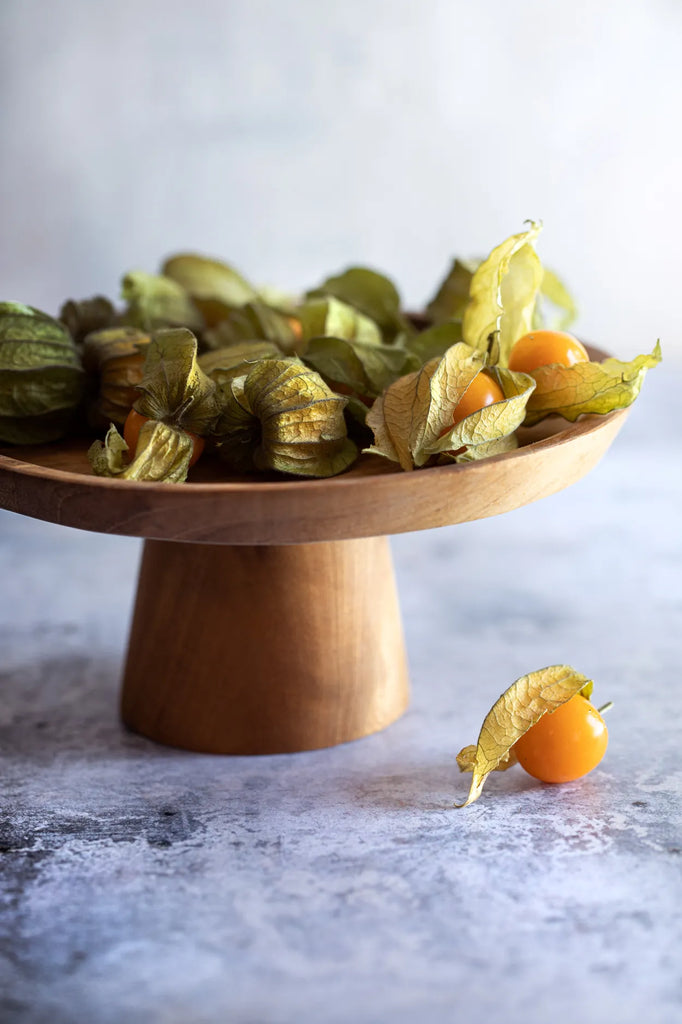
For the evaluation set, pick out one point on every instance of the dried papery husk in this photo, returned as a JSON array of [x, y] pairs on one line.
[[413, 420], [215, 287], [453, 294], [239, 432], [115, 359], [330, 318], [491, 430], [163, 455], [178, 400], [347, 349], [82, 317], [224, 364], [555, 308], [278, 298], [503, 294], [512, 715], [42, 382], [155, 302], [434, 342], [174, 389], [356, 367], [283, 417], [255, 322], [372, 294], [588, 387]]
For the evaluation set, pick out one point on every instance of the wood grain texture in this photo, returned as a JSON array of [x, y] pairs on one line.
[[261, 650]]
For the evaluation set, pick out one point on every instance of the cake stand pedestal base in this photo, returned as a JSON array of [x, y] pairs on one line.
[[267, 649]]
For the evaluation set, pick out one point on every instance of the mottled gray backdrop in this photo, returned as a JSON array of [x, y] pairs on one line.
[[296, 137]]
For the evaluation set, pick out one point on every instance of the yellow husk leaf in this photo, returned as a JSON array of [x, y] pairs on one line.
[[331, 318], [504, 291], [413, 420], [557, 294], [489, 431], [174, 388], [512, 715], [390, 419], [466, 759], [584, 388], [106, 457], [417, 408], [162, 455]]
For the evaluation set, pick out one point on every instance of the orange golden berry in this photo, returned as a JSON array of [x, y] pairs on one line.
[[565, 744], [482, 391], [541, 348]]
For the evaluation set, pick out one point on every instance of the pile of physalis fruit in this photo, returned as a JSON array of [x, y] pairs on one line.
[[198, 357]]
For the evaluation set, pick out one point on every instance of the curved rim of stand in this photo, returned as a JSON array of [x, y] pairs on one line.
[[363, 504], [375, 468], [373, 498]]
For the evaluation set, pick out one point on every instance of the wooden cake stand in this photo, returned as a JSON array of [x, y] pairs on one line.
[[266, 617]]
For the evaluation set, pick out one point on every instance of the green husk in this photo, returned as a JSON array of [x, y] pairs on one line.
[[434, 342], [452, 297], [331, 318], [32, 392], [371, 294], [155, 301], [364, 369], [278, 298], [174, 389], [254, 322], [41, 379], [215, 287], [82, 317], [283, 417]]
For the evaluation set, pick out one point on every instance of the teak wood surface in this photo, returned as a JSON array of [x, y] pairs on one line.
[[275, 625]]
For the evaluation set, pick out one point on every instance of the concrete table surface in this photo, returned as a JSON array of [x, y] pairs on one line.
[[143, 884]]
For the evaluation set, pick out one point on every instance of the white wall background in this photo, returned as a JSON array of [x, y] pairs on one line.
[[296, 137]]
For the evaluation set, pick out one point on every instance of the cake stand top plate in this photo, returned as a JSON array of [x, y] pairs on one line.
[[54, 483]]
